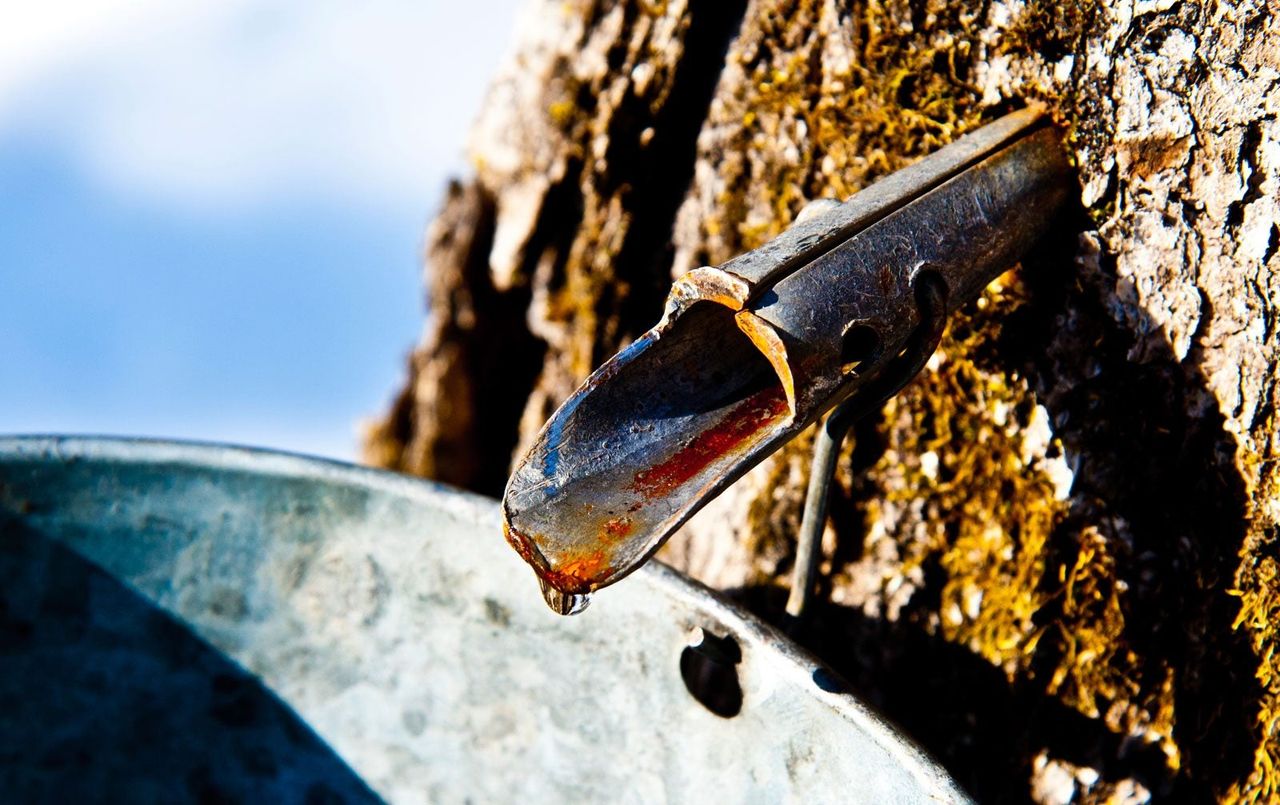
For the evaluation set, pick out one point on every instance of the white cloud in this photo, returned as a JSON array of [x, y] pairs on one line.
[[38, 37], [241, 102]]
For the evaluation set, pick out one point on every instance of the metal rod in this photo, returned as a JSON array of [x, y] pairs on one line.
[[826, 449]]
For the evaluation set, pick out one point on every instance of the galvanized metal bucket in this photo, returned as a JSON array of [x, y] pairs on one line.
[[180, 622]]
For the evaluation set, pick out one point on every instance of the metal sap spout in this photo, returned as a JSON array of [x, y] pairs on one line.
[[844, 306]]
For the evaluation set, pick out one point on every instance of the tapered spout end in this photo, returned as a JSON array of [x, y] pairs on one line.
[[649, 437]]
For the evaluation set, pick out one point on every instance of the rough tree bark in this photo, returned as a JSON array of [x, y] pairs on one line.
[[1053, 558]]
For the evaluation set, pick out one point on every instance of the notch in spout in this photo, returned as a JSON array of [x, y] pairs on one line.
[[749, 353]]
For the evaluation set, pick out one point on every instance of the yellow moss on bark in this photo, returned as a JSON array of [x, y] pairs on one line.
[[963, 487]]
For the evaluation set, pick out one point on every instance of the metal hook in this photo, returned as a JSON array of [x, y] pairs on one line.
[[931, 298]]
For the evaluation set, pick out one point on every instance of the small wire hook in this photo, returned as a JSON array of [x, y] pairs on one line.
[[931, 300]]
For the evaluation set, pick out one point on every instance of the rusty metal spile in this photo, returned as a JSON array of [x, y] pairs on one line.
[[749, 353]]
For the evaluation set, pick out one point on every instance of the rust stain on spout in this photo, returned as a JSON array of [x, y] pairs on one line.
[[750, 417], [576, 574], [617, 527]]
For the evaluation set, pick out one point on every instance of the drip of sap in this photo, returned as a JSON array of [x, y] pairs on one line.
[[563, 603]]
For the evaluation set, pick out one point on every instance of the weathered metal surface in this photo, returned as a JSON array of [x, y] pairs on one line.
[[750, 353], [387, 613]]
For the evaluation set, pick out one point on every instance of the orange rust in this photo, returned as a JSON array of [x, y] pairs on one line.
[[618, 527], [584, 567], [751, 416], [578, 574], [520, 542], [575, 575]]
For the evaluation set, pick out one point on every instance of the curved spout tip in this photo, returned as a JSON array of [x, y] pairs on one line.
[[646, 441], [570, 575]]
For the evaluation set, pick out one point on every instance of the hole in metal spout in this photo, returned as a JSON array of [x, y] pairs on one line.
[[860, 344], [930, 289]]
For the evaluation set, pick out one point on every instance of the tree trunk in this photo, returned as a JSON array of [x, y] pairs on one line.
[[1052, 558]]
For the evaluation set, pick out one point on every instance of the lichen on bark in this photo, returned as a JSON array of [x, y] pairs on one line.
[[1053, 557]]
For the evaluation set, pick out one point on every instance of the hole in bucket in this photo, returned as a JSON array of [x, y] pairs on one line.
[[710, 673], [828, 681]]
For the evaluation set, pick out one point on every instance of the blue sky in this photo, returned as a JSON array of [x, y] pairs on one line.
[[211, 214]]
